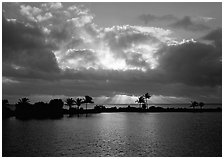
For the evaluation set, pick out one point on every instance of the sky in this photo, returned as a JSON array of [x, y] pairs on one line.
[[114, 52]]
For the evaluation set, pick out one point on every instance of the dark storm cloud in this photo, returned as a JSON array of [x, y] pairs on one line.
[[23, 73], [187, 24], [146, 18], [107, 83], [87, 81], [215, 36], [194, 64], [25, 47], [30, 39]]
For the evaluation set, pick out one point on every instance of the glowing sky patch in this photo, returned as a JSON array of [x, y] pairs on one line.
[[8, 80], [142, 40]]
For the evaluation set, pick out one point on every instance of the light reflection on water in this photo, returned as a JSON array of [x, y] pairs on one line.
[[116, 134]]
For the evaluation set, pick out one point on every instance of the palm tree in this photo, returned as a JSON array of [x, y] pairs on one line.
[[70, 102], [147, 96], [140, 100], [194, 104], [78, 102], [87, 100], [24, 101], [23, 108], [201, 104]]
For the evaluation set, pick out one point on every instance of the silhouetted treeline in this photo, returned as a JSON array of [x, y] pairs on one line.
[[54, 109], [25, 110], [100, 108], [197, 104], [78, 101]]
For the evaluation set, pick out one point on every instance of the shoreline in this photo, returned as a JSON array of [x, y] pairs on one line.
[[100, 109]]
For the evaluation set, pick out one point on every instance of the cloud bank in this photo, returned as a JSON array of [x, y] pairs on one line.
[[60, 51], [187, 24], [146, 18]]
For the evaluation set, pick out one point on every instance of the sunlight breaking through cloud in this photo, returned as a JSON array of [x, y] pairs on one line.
[[118, 48]]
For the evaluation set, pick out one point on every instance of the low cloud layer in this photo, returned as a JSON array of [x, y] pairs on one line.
[[146, 18], [188, 24], [59, 51]]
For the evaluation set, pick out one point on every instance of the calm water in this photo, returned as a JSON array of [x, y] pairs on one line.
[[116, 134]]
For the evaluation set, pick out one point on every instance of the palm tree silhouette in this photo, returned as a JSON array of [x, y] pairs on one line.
[[23, 108], [24, 101], [147, 96], [140, 100], [78, 102], [70, 102], [87, 100]]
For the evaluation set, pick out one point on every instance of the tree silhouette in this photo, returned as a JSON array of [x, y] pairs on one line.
[[147, 96], [137, 101], [70, 102], [194, 104], [56, 106], [141, 101], [78, 102], [41, 110], [87, 100], [201, 104], [23, 108], [24, 101]]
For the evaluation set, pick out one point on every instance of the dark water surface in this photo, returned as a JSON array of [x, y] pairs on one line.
[[116, 134]]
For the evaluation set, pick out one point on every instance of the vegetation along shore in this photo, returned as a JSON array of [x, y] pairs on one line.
[[55, 108]]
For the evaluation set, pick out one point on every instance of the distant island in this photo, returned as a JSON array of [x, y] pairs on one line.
[[54, 109]]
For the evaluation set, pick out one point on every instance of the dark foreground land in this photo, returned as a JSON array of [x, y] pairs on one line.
[[54, 110]]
